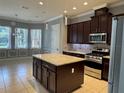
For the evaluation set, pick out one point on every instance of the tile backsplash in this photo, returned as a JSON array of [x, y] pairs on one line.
[[86, 48]]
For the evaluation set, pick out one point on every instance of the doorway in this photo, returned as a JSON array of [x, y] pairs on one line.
[[55, 38]]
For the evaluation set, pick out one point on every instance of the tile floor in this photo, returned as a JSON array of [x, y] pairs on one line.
[[16, 77]]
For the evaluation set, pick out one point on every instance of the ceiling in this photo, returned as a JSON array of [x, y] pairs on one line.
[[32, 11]]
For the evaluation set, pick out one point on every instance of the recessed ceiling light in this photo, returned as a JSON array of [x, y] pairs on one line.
[[74, 8], [65, 11], [85, 3], [41, 3]]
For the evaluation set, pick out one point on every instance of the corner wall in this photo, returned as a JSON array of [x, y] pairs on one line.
[[47, 34]]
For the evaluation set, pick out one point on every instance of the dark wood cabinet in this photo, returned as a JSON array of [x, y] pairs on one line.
[[94, 25], [51, 81], [105, 70], [53, 77], [44, 77], [39, 71], [35, 68], [86, 31], [72, 33], [69, 34], [101, 24], [48, 79], [80, 33]]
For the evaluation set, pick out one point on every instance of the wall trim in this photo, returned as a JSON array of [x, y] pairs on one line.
[[117, 4], [92, 10], [54, 18], [83, 14]]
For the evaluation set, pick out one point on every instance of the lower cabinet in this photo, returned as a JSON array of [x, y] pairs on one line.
[[39, 71], [44, 77], [51, 81], [105, 71], [48, 79], [35, 68], [59, 79]]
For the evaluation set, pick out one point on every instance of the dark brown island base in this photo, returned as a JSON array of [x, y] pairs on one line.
[[58, 73]]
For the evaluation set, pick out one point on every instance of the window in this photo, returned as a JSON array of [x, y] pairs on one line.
[[36, 38], [5, 37], [21, 38]]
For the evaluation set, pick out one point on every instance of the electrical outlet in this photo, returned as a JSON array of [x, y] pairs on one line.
[[72, 70]]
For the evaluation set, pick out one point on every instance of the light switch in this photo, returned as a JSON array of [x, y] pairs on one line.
[[72, 70]]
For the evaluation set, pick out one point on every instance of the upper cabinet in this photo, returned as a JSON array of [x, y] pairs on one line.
[[94, 24], [72, 33], [78, 33], [69, 34], [100, 24], [86, 32]]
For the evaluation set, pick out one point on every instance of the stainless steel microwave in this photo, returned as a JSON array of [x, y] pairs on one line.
[[98, 38]]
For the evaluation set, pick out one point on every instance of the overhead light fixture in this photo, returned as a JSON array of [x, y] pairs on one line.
[[74, 8], [85, 3], [65, 11], [41, 3]]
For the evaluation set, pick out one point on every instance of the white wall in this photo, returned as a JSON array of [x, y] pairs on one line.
[[47, 34]]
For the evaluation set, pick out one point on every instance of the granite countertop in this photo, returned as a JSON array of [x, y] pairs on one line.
[[77, 52], [58, 59], [108, 57]]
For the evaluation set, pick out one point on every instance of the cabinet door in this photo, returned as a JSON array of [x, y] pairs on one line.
[[105, 69], [86, 31], [94, 24], [44, 77], [109, 30], [39, 71], [35, 68], [69, 34], [74, 33], [51, 82], [80, 33], [103, 24]]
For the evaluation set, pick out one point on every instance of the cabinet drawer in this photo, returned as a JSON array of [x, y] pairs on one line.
[[49, 66]]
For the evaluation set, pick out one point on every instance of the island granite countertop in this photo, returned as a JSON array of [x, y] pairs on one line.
[[58, 59]]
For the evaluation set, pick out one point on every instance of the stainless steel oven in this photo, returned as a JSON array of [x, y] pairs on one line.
[[98, 38], [93, 66]]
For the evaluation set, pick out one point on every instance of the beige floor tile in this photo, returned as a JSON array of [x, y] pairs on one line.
[[15, 88], [16, 77], [2, 84], [2, 90]]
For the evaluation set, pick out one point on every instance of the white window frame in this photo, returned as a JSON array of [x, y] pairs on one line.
[[9, 39], [32, 38], [16, 44]]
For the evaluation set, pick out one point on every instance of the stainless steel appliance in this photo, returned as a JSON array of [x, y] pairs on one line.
[[98, 38], [116, 72], [93, 64]]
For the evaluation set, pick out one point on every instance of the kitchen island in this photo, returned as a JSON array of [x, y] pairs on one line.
[[58, 73]]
